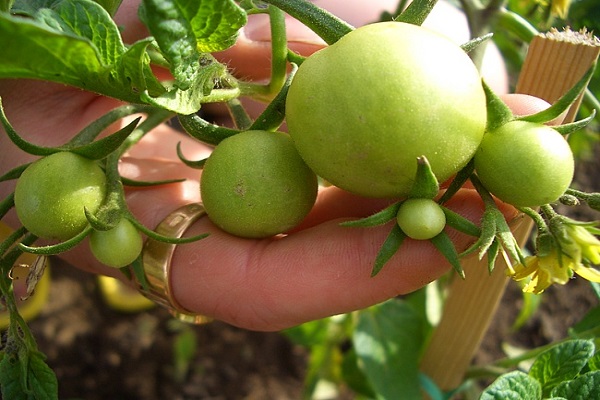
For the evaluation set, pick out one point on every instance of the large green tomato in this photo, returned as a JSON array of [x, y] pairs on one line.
[[255, 184], [525, 164], [362, 110], [52, 192]]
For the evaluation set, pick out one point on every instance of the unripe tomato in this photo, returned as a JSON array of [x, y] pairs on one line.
[[255, 184], [525, 164], [117, 247], [421, 219], [52, 192], [363, 109]]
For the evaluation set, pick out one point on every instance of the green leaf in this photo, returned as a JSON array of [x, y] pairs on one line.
[[590, 321], [390, 246], [562, 104], [76, 43], [25, 375], [111, 6], [584, 387], [199, 87], [379, 218], [185, 29], [514, 385], [460, 223], [310, 333], [388, 338], [594, 362], [561, 363], [103, 147], [445, 246], [566, 129], [354, 376]]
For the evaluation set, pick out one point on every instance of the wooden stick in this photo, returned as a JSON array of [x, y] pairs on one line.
[[555, 62]]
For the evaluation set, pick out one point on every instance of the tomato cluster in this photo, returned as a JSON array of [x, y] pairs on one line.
[[52, 197], [359, 113]]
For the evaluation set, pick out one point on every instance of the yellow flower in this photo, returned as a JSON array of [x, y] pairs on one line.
[[584, 246], [560, 8], [543, 271]]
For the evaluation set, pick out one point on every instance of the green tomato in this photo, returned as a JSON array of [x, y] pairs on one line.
[[525, 164], [363, 109], [421, 219], [117, 247], [255, 184], [52, 192]]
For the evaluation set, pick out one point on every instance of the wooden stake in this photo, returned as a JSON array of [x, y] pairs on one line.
[[555, 62]]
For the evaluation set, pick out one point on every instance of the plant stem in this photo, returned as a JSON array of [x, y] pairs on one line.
[[329, 27]]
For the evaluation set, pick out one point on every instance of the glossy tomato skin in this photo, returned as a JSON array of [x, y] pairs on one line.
[[363, 109], [421, 219], [117, 247], [255, 185], [525, 164], [52, 192]]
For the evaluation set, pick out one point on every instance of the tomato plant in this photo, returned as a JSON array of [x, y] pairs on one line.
[[255, 184], [525, 164], [117, 247], [52, 193], [363, 109], [421, 219]]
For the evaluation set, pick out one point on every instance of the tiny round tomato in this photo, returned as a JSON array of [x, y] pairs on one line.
[[363, 109], [255, 184], [52, 192], [421, 219], [525, 164], [117, 247]]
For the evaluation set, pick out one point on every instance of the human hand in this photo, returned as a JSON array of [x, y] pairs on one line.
[[318, 270]]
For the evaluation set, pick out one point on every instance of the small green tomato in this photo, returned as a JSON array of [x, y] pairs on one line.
[[117, 247], [52, 193], [421, 219]]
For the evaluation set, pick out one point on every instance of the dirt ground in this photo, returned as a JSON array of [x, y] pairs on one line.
[[99, 353]]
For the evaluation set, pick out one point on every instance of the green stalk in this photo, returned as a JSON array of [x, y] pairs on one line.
[[329, 27]]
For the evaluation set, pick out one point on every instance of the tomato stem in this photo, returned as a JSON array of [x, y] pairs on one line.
[[329, 27]]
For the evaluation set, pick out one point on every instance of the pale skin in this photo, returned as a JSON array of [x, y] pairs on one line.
[[320, 269]]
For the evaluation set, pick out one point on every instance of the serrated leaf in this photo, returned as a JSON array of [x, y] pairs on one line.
[[387, 339], [584, 387], [190, 100], [561, 363], [514, 385], [25, 375], [215, 23], [74, 52]]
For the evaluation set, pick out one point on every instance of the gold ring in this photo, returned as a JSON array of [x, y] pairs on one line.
[[156, 260]]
